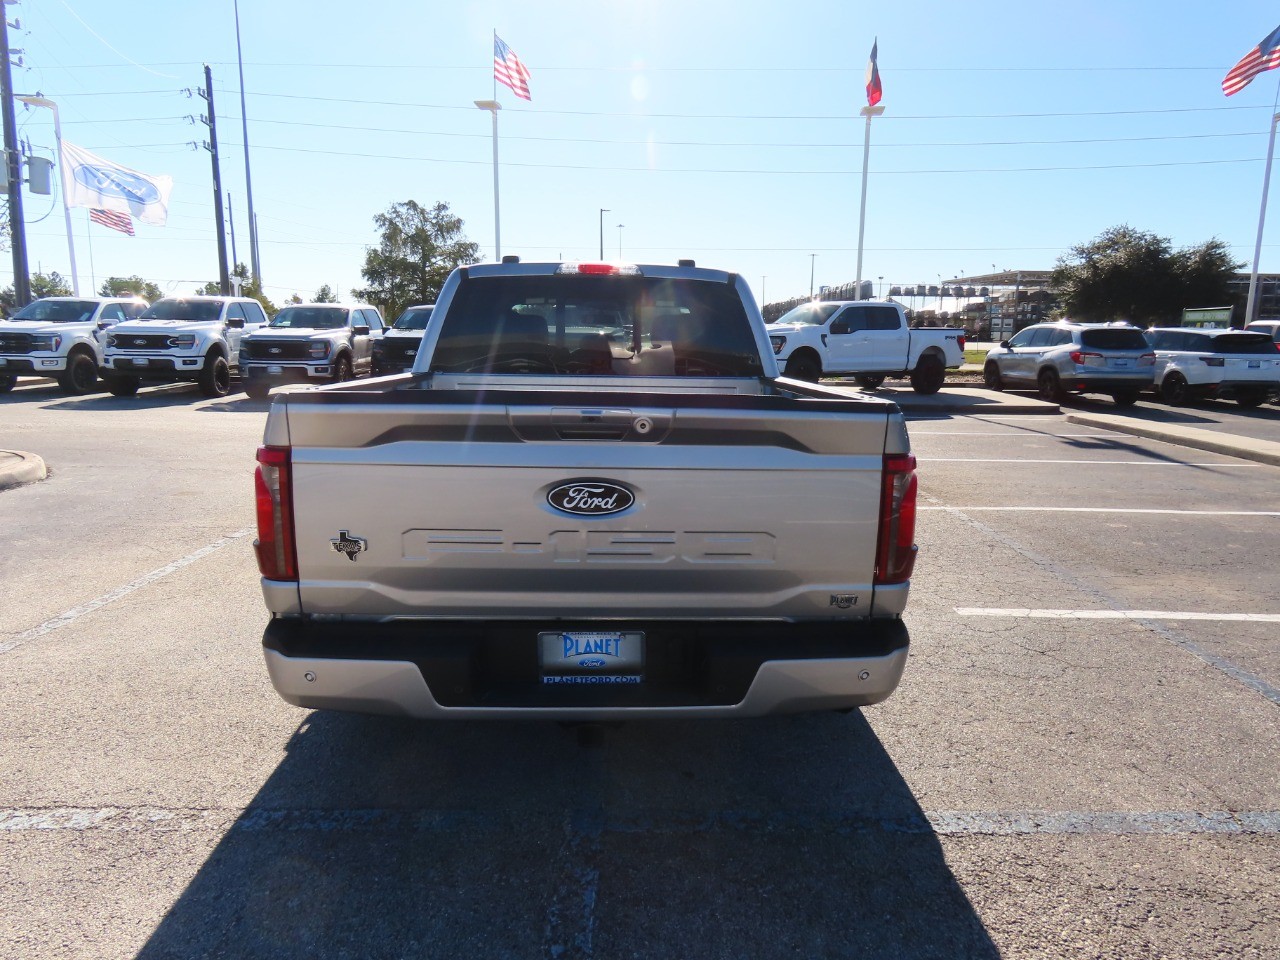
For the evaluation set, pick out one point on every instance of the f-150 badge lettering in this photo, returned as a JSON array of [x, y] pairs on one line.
[[589, 497], [345, 543]]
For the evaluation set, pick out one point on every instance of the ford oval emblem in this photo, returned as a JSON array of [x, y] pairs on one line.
[[590, 497]]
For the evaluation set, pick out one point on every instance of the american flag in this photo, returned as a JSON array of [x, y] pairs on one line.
[[1265, 56], [116, 221], [874, 90], [509, 70]]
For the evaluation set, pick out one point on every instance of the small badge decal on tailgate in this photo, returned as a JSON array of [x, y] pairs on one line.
[[590, 497], [345, 543]]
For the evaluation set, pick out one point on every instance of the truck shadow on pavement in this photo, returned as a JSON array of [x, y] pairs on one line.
[[386, 838]]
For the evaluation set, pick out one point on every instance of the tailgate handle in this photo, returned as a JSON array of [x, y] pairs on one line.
[[591, 423]]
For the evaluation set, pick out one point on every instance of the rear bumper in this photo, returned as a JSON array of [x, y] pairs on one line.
[[1107, 384], [463, 670]]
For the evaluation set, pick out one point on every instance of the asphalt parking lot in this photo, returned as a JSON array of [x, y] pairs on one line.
[[1080, 762]]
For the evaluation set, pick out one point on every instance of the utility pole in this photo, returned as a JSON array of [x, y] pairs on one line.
[[224, 279], [13, 173]]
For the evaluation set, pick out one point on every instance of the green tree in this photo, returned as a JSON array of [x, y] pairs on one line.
[[324, 295], [294, 298], [133, 286], [49, 284], [1128, 274], [419, 247], [42, 285], [249, 288]]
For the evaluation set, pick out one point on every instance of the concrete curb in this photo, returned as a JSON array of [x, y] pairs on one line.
[[1246, 448], [17, 468]]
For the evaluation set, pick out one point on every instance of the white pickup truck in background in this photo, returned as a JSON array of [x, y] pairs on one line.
[[592, 497], [865, 339]]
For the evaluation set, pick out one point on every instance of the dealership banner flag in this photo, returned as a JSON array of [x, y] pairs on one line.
[[102, 185]]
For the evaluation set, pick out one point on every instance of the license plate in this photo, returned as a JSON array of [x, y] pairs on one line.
[[140, 361], [275, 369], [4, 361], [1119, 363], [591, 656], [1255, 364]]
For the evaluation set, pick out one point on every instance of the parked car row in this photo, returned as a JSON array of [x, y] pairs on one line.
[[1179, 364], [202, 339]]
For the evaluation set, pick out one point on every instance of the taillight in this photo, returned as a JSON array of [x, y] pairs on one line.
[[896, 548], [273, 487], [1147, 360], [961, 339], [1214, 361], [1080, 356]]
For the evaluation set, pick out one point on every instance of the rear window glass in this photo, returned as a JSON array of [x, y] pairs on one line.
[[1250, 343], [1113, 338], [603, 325]]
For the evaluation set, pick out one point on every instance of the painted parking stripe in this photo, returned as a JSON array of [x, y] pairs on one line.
[[1194, 513], [1116, 614], [157, 820], [74, 614], [1106, 599]]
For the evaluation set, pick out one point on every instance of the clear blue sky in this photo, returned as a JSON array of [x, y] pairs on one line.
[[726, 132]]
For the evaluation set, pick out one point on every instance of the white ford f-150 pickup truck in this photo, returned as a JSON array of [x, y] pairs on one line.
[[591, 498], [865, 339], [61, 337]]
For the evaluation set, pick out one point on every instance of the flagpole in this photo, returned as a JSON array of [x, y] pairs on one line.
[[867, 112], [1262, 214], [88, 236]]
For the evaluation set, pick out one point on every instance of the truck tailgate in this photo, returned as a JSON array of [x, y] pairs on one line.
[[439, 506]]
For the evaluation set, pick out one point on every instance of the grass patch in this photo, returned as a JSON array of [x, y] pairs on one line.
[[975, 356]]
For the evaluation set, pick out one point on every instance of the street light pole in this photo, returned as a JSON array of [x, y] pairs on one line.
[[620, 226], [603, 211], [812, 258], [493, 106], [39, 101]]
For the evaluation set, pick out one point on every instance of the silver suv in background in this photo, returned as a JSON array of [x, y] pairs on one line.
[[1066, 357], [310, 343], [61, 337], [1239, 365]]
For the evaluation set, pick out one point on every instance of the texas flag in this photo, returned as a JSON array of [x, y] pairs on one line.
[[874, 90]]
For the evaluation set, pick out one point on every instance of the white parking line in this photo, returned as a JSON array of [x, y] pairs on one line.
[[1014, 435], [64, 619], [1195, 513], [1105, 597], [1115, 614]]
